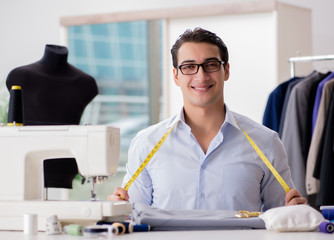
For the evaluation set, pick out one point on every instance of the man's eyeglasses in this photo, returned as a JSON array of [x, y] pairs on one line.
[[192, 68]]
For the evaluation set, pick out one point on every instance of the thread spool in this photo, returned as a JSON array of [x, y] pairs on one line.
[[30, 224], [15, 109], [74, 230], [128, 225], [141, 228], [53, 225], [121, 229], [95, 231], [326, 227], [113, 230]]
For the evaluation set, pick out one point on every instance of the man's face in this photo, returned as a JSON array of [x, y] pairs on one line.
[[202, 89]]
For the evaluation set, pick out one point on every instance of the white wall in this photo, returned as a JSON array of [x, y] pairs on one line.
[[26, 26], [252, 59]]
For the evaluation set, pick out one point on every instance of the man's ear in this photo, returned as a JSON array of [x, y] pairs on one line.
[[227, 71], [176, 77]]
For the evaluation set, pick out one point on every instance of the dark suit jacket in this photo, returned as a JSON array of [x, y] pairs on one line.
[[273, 110], [324, 168]]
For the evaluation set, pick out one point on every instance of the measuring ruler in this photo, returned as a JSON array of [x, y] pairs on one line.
[[147, 159]]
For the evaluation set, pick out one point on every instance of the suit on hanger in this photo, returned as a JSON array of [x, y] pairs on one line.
[[286, 100], [318, 98], [325, 165], [312, 184], [295, 132], [273, 110]]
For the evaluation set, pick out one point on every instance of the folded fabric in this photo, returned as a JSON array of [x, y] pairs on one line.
[[292, 218], [164, 220]]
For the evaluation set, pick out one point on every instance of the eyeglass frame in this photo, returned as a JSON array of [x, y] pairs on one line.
[[200, 65]]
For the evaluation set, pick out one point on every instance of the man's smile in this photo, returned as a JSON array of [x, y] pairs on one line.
[[202, 88]]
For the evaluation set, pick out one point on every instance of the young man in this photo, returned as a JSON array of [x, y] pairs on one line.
[[206, 162]]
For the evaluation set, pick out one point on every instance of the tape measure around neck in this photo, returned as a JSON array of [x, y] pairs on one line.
[[256, 148], [147, 159], [266, 161]]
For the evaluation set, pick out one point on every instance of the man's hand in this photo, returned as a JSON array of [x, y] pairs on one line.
[[118, 194], [293, 197]]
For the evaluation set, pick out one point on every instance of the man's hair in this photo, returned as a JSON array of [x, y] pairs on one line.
[[199, 35]]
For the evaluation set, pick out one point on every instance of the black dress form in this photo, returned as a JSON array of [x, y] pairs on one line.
[[54, 91]]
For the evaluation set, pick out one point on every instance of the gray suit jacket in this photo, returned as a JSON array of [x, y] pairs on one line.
[[295, 128]]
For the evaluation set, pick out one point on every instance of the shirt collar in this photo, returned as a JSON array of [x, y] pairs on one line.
[[178, 118], [229, 118]]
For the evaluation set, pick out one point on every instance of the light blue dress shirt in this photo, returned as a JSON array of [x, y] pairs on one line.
[[230, 176]]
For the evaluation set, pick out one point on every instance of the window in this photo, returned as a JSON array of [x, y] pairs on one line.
[[118, 57]]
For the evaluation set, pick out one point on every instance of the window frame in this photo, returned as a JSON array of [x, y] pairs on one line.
[[164, 15]]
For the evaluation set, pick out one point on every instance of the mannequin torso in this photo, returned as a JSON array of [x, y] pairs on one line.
[[54, 91]]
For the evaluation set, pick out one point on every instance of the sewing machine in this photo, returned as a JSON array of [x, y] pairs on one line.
[[23, 150]]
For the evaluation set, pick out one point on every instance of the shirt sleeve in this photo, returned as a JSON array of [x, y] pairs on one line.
[[272, 193], [141, 189]]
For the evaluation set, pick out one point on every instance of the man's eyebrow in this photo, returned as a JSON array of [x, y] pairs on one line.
[[206, 60], [211, 59], [187, 61]]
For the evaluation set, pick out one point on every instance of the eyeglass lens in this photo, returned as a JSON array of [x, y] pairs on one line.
[[212, 66]]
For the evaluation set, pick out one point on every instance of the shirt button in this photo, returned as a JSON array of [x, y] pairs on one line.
[[202, 195], [203, 167]]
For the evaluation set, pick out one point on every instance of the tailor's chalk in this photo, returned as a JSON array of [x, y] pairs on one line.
[[74, 230], [141, 228], [128, 225], [326, 227]]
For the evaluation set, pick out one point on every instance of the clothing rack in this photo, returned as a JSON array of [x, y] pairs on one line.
[[293, 60]]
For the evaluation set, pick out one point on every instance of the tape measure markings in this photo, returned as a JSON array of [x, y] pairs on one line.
[[256, 148], [147, 159], [266, 161]]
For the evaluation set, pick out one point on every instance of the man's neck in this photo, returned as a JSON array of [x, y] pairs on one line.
[[205, 117], [205, 123]]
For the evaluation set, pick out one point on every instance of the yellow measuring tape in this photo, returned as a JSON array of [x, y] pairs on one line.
[[157, 146], [266, 161], [147, 159]]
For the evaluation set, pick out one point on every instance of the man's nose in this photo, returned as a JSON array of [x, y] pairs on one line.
[[201, 73]]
